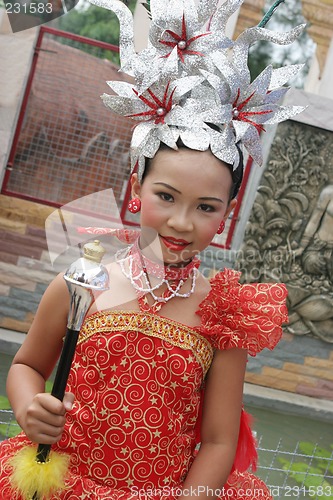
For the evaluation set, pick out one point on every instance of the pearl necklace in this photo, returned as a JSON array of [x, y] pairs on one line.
[[136, 268]]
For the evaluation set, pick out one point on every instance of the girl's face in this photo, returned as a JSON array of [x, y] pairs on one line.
[[184, 197]]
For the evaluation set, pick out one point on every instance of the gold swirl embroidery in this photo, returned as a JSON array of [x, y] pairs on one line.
[[154, 326]]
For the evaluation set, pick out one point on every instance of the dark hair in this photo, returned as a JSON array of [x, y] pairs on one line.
[[236, 174]]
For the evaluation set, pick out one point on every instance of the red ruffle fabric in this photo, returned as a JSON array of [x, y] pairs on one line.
[[248, 316]]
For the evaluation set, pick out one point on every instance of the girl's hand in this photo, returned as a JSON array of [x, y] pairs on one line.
[[45, 418]]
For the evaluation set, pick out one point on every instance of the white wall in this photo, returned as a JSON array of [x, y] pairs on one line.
[[16, 51]]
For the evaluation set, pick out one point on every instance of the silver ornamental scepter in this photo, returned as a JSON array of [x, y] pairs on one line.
[[84, 278]]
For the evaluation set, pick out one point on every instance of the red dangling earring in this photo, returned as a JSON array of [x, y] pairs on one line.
[[221, 228], [134, 205]]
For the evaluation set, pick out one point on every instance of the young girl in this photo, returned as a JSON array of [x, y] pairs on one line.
[[153, 407], [130, 418]]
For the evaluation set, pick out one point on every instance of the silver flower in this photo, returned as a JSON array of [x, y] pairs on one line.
[[192, 82], [183, 31], [243, 106], [163, 112]]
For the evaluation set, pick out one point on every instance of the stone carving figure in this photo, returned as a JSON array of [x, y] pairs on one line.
[[289, 234], [316, 246], [316, 255]]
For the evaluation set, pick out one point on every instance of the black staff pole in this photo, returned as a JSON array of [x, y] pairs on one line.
[[84, 278]]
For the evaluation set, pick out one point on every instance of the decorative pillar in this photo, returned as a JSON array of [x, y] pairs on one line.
[[250, 14], [319, 15]]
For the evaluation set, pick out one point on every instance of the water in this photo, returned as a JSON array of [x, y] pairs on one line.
[[287, 444], [5, 362], [273, 426]]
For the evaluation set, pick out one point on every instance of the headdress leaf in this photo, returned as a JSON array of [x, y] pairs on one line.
[[193, 82]]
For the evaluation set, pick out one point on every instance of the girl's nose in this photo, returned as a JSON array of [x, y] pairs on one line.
[[181, 222]]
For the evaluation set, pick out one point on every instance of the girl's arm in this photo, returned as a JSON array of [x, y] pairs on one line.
[[220, 425], [40, 415]]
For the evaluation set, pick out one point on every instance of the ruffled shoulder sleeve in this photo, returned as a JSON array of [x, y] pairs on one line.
[[248, 316]]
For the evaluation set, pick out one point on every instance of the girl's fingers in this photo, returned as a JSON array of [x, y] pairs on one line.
[[68, 400]]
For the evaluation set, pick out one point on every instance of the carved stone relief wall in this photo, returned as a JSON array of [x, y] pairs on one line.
[[289, 235]]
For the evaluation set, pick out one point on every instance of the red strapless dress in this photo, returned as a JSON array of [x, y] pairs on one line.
[[138, 382]]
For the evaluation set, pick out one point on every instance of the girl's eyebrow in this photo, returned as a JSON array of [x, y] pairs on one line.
[[211, 198], [208, 198], [168, 186]]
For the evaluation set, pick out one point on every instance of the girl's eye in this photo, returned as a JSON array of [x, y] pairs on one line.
[[165, 196], [206, 208]]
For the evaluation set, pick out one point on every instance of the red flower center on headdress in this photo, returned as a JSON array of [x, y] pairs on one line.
[[159, 108], [240, 115], [182, 42]]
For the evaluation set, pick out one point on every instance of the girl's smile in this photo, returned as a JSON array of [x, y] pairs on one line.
[[173, 243]]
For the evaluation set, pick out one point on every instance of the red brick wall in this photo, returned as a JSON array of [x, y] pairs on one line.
[[25, 269]]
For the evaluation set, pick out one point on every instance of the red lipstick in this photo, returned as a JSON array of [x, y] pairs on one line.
[[174, 244]]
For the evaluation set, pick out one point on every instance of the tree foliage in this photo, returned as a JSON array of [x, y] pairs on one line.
[[96, 23], [287, 16]]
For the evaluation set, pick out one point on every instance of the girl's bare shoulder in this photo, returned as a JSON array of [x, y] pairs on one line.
[[43, 343]]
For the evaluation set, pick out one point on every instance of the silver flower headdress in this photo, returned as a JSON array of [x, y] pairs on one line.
[[193, 83]]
